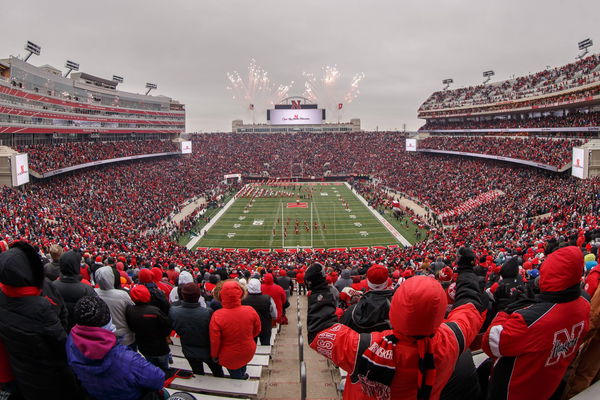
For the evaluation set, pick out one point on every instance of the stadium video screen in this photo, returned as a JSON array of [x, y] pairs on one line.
[[296, 116]]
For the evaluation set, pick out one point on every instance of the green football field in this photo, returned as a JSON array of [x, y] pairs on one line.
[[327, 215]]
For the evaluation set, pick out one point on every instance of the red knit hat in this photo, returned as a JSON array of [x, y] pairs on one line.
[[99, 259], [140, 294], [445, 274], [145, 276], [377, 277]]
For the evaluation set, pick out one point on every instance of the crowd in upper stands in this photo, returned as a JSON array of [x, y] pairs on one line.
[[117, 212], [49, 157], [553, 80], [591, 119], [554, 152]]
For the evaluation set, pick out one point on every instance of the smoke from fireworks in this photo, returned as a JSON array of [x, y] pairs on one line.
[[331, 89], [257, 91]]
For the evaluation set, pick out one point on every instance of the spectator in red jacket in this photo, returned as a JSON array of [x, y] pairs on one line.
[[415, 358], [300, 281], [233, 329], [532, 346], [592, 281], [277, 294], [157, 275]]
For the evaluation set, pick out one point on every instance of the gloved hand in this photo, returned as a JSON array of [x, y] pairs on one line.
[[466, 259], [315, 277]]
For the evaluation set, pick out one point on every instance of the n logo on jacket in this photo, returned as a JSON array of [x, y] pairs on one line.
[[565, 343]]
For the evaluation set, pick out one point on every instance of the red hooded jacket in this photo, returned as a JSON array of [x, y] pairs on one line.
[[233, 329], [592, 280], [533, 346], [276, 292]]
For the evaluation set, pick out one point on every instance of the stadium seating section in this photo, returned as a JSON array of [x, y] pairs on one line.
[[549, 81]]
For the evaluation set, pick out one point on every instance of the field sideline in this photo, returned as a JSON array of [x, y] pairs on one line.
[[339, 219]]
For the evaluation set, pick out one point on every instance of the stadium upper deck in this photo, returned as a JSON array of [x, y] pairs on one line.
[[571, 85], [38, 100]]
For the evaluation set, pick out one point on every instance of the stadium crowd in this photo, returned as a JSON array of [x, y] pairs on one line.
[[48, 157], [112, 216], [572, 75], [554, 152], [579, 119]]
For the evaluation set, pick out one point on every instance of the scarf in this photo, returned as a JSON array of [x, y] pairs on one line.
[[375, 368]]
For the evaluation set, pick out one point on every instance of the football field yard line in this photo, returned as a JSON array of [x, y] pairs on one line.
[[275, 222], [319, 222]]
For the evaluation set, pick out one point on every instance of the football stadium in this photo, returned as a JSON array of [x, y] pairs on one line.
[[273, 234]]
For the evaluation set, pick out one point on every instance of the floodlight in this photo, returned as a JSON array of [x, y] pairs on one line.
[[71, 66], [32, 48], [150, 86], [584, 45], [447, 82], [488, 76]]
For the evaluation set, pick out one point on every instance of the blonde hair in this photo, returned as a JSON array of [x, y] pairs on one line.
[[55, 252], [217, 290]]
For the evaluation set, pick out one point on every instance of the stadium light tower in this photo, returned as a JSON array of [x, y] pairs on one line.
[[117, 78], [71, 66], [584, 45], [447, 82], [150, 86], [488, 76], [32, 48]]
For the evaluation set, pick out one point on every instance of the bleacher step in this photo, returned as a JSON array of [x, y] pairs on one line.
[[254, 371], [212, 385], [201, 396]]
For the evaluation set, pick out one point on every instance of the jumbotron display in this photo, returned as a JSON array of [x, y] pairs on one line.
[[296, 117]]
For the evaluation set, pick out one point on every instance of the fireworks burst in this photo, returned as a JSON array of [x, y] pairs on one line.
[[257, 91], [330, 89]]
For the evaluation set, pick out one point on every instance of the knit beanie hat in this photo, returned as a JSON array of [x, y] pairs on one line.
[[377, 277], [145, 276], [190, 293], [91, 311], [140, 294], [446, 274], [510, 269], [254, 286]]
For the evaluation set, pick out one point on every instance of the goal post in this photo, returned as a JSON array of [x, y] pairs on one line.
[[311, 230]]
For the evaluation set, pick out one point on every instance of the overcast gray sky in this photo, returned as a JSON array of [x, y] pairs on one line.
[[404, 48]]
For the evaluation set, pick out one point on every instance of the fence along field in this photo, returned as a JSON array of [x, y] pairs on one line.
[[324, 215]]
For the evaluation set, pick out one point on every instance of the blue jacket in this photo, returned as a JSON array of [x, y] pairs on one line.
[[108, 370]]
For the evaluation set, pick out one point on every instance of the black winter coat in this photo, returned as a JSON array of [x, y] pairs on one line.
[[32, 333], [262, 305], [151, 328], [69, 285], [191, 323], [286, 283]]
